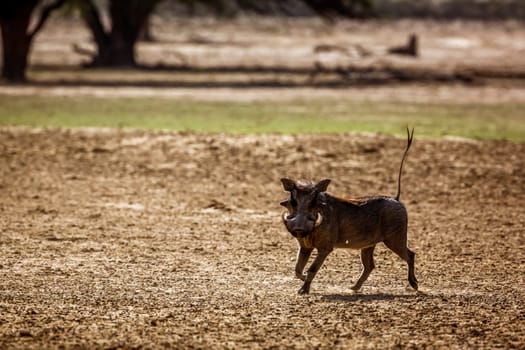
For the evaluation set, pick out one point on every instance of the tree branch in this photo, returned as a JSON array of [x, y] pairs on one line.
[[46, 11], [91, 15]]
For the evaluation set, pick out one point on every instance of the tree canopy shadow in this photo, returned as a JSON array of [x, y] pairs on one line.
[[253, 76]]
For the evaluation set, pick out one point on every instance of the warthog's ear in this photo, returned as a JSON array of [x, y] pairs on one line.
[[288, 184], [322, 185]]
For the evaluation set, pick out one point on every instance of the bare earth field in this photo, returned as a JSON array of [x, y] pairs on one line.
[[127, 239]]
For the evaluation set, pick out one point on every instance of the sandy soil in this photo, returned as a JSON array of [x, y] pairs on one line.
[[128, 239]]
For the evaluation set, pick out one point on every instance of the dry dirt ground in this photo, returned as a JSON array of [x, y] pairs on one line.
[[127, 239]]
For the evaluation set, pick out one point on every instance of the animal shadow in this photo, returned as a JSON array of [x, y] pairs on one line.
[[371, 297]]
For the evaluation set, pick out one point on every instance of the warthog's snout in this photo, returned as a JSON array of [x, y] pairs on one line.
[[321, 221], [301, 225]]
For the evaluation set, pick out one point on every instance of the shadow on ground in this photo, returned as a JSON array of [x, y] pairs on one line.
[[373, 297]]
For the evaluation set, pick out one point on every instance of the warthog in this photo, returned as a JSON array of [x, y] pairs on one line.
[[322, 221]]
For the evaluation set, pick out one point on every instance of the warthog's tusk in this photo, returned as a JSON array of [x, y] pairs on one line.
[[284, 217], [319, 220]]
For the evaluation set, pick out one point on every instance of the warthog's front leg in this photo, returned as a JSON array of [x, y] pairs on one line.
[[302, 259], [312, 270]]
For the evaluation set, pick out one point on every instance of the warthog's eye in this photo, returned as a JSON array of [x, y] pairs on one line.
[[293, 202], [313, 202]]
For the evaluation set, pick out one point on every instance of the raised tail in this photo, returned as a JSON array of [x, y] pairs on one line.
[[410, 136]]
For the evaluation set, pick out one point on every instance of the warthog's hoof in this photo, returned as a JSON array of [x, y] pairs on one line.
[[304, 290], [355, 288], [414, 285]]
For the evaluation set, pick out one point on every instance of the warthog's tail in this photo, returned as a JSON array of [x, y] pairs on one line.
[[410, 136]]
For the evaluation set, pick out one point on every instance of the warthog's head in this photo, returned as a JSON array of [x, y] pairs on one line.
[[304, 206]]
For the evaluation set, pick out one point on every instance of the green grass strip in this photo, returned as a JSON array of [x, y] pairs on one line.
[[482, 121]]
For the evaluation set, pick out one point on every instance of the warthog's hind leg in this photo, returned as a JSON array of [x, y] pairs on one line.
[[400, 248], [367, 259], [411, 275]]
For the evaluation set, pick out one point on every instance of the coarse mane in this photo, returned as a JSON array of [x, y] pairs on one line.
[[358, 201]]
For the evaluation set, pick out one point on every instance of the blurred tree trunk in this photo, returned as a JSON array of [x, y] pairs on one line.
[[15, 18], [14, 22], [116, 45]]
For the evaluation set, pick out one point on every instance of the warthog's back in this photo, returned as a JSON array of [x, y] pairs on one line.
[[366, 221]]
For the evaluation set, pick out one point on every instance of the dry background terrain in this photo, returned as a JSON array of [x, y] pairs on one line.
[[272, 59], [149, 239], [120, 238]]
